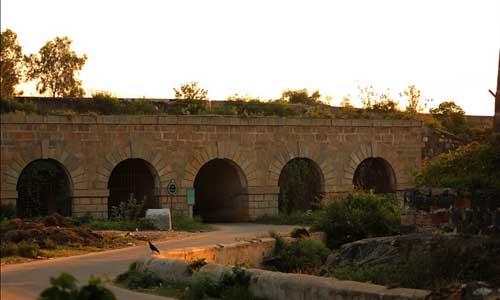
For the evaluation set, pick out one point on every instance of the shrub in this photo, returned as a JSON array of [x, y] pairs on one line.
[[7, 211], [28, 249], [8, 249], [299, 256], [12, 105], [470, 167], [359, 216], [135, 278], [64, 287], [130, 210]]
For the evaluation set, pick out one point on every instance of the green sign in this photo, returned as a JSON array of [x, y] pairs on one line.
[[172, 187], [190, 196]]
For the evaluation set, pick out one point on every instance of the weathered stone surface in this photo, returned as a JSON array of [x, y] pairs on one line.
[[161, 218], [178, 146]]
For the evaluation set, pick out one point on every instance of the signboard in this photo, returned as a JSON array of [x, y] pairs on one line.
[[172, 187], [190, 196]]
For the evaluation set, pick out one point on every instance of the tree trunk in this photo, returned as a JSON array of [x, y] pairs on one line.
[[496, 119]]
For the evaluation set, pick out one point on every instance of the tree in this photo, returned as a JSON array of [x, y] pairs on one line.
[[55, 68], [191, 91], [415, 104], [452, 117], [11, 63], [301, 96]]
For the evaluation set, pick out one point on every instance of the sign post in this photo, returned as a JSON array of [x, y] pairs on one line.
[[190, 198]]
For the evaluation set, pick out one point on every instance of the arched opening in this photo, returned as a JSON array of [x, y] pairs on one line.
[[133, 179], [301, 185], [221, 192], [375, 174], [44, 187]]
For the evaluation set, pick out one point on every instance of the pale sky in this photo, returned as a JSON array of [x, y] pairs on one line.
[[448, 49]]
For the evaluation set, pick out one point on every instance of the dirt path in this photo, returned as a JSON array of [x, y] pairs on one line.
[[26, 281]]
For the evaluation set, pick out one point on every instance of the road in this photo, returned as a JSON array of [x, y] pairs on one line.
[[26, 281]]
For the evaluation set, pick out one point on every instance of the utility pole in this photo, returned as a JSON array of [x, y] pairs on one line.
[[496, 118]]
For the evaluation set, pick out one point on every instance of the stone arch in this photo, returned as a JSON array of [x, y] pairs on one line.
[[134, 177], [49, 149], [135, 150], [294, 194], [368, 151], [319, 156], [220, 150], [376, 174], [221, 191], [49, 182]]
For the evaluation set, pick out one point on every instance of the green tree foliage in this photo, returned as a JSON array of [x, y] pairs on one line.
[[65, 287], [301, 96], [471, 167], [451, 117], [300, 255], [55, 68], [360, 215], [11, 63], [191, 91]]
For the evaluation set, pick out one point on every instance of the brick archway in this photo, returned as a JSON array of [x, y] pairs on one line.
[[371, 150], [228, 151]]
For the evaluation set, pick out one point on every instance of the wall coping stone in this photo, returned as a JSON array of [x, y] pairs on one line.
[[204, 120]]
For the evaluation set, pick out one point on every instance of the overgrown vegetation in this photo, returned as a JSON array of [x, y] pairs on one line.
[[65, 287], [50, 236], [301, 255], [294, 218], [473, 167], [448, 260], [232, 285], [300, 185], [360, 215]]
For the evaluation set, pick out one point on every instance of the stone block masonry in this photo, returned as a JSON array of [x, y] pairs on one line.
[[177, 147]]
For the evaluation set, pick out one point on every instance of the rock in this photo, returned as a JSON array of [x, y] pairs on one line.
[[161, 218], [379, 250]]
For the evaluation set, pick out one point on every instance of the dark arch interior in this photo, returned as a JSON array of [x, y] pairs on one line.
[[301, 185], [220, 192], [375, 174], [132, 178], [43, 188]]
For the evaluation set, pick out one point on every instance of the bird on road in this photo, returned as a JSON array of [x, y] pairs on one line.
[[153, 248]]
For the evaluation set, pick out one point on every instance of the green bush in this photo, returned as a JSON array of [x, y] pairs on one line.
[[360, 215], [471, 167], [12, 106], [299, 256], [64, 287], [135, 278], [8, 249], [28, 249], [129, 210], [232, 285]]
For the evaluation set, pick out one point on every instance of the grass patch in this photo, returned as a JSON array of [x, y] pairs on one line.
[[304, 218], [124, 225], [185, 223]]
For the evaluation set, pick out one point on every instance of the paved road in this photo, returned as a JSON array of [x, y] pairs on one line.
[[26, 281]]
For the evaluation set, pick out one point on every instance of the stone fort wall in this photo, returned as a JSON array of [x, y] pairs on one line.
[[178, 146]]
